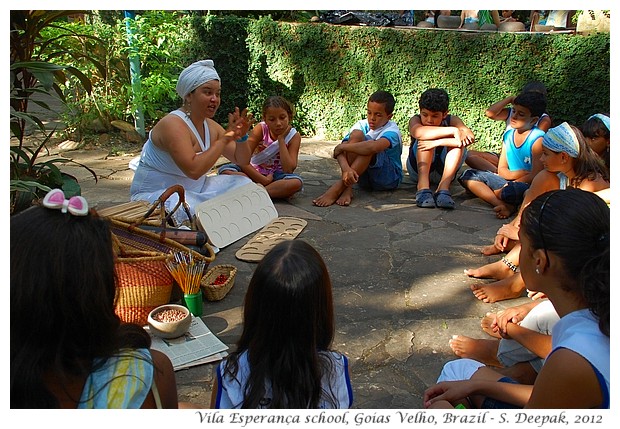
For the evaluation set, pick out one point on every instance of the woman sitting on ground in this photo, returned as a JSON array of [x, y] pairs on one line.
[[184, 145]]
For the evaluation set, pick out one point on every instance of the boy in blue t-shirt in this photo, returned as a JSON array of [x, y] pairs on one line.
[[437, 151], [519, 160], [369, 154]]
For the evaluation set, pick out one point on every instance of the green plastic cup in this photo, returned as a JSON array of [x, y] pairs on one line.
[[193, 301]]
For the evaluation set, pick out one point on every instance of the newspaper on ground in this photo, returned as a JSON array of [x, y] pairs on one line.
[[197, 346]]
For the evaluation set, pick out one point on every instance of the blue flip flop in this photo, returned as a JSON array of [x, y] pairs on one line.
[[424, 198], [444, 200]]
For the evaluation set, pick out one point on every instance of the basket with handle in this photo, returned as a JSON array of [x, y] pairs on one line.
[[215, 292], [131, 236], [143, 281]]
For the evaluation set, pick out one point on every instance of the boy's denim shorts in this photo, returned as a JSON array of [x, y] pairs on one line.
[[381, 175], [437, 164], [492, 180], [277, 175], [512, 192], [490, 403]]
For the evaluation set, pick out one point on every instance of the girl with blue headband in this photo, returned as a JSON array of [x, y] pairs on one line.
[[568, 162]]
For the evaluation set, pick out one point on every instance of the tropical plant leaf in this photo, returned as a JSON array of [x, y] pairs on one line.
[[85, 81], [70, 186], [28, 186]]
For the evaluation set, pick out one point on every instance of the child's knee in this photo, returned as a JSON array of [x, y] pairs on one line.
[[466, 176], [357, 136]]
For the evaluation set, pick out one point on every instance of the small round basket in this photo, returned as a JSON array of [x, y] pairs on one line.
[[215, 292]]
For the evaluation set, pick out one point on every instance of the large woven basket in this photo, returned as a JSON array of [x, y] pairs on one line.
[[142, 283], [215, 292]]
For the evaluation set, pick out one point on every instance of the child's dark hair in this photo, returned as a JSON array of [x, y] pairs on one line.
[[535, 86], [534, 101], [384, 97], [594, 127], [435, 100], [288, 320], [574, 225], [62, 302], [589, 165], [279, 102]]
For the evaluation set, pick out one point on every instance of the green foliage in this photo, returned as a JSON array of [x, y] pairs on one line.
[[160, 40], [223, 39], [329, 71], [276, 15], [35, 69]]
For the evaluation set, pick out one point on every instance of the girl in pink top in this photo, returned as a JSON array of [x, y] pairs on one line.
[[275, 145]]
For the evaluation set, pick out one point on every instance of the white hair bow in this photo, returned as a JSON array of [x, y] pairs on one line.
[[55, 199]]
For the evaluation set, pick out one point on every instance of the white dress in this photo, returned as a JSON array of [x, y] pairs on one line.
[[156, 171]]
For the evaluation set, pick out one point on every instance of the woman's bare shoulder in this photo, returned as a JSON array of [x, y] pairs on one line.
[[169, 120], [594, 185], [168, 126], [545, 180]]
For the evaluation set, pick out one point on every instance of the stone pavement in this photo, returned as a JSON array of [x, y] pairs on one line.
[[397, 273]]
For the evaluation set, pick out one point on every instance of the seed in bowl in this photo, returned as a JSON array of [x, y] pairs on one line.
[[169, 315]]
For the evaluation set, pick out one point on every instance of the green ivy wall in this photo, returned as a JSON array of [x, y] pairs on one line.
[[329, 71]]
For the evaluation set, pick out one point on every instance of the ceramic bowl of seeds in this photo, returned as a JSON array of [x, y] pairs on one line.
[[169, 321]]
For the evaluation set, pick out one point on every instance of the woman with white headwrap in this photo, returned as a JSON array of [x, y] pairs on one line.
[[183, 147]]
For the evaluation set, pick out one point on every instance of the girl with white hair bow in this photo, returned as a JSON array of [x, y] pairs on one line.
[[183, 147]]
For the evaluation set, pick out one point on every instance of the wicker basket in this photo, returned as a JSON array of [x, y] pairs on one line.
[[142, 281], [216, 292]]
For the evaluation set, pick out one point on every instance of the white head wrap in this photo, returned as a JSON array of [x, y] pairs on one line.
[[195, 75], [562, 139]]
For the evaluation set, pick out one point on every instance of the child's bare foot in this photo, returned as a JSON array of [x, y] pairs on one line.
[[330, 196], [508, 288], [490, 250], [486, 323], [503, 211], [495, 270], [345, 197], [484, 351]]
